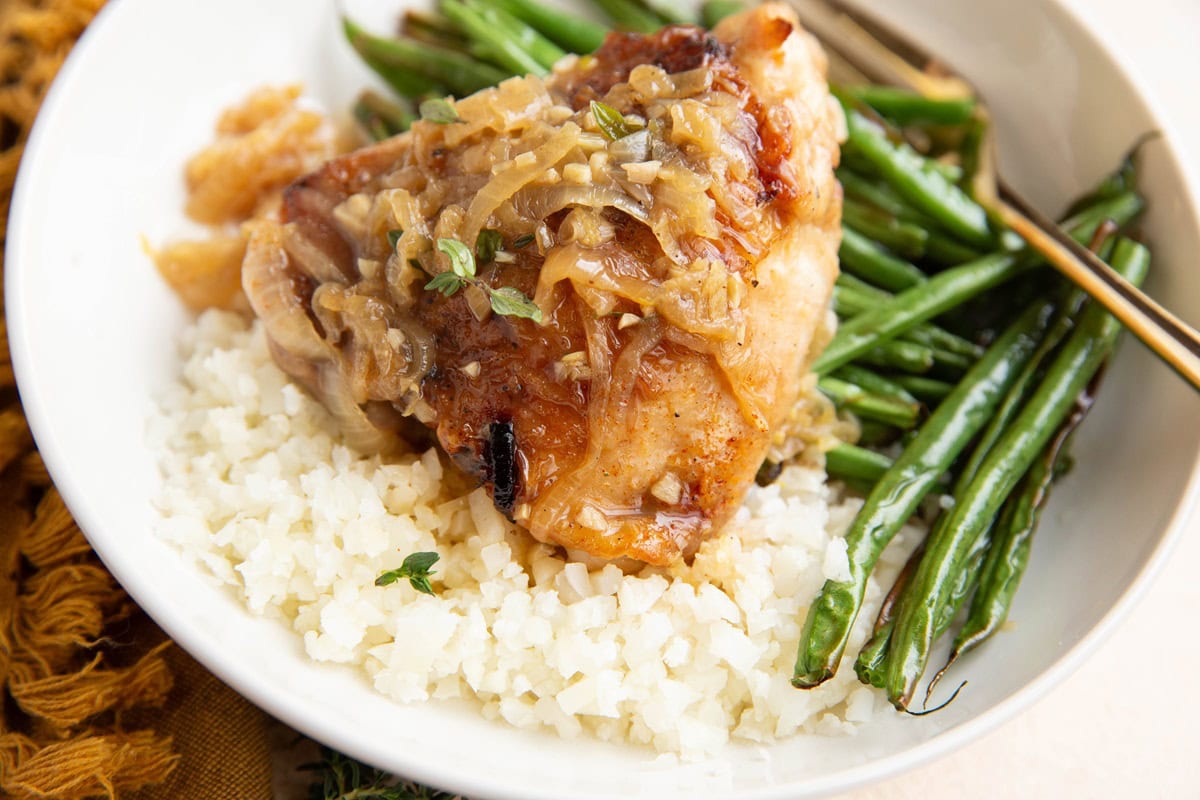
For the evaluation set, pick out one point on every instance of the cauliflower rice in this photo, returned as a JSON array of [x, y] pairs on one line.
[[260, 490]]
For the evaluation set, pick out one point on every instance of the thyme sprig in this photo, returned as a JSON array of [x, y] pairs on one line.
[[505, 301], [438, 111], [340, 777], [612, 123], [416, 568]]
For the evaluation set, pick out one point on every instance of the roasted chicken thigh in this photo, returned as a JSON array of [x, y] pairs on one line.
[[669, 206]]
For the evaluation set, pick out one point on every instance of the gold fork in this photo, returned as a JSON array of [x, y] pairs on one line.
[[882, 55]]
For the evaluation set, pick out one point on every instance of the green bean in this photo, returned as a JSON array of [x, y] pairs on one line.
[[380, 117], [869, 293], [870, 664], [904, 107], [849, 303], [878, 194], [964, 583], [948, 252], [436, 30], [874, 382], [853, 296], [1015, 400], [1003, 468], [528, 38], [713, 11], [876, 434], [628, 15], [871, 658], [674, 12], [402, 79], [414, 69], [569, 31], [929, 390], [376, 129], [908, 357], [870, 406], [852, 461], [900, 491], [982, 555], [920, 181], [1007, 559], [526, 52], [1121, 209], [975, 155], [947, 348], [914, 306], [942, 339], [905, 238], [951, 361], [1063, 324], [1111, 186], [871, 262]]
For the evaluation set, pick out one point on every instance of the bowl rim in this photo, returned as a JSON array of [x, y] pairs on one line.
[[257, 688]]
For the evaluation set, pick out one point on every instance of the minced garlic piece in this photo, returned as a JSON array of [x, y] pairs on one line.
[[578, 173], [369, 268], [573, 367], [395, 338], [591, 518], [642, 171], [628, 321], [668, 489]]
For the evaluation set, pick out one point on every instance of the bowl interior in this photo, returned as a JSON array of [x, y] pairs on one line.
[[93, 334]]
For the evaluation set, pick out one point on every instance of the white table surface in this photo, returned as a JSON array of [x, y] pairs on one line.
[[1127, 724]]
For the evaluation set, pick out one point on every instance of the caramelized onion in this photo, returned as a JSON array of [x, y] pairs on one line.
[[537, 203], [523, 169], [270, 285]]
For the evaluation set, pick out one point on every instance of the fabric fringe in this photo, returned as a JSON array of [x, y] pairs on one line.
[[64, 683], [54, 537], [90, 765], [60, 611], [68, 700]]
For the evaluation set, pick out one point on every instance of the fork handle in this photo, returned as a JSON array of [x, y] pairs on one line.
[[1160, 330]]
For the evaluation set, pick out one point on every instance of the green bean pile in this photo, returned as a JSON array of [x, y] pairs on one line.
[[997, 422], [956, 343]]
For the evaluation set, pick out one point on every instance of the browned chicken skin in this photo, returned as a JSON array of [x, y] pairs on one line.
[[681, 273]]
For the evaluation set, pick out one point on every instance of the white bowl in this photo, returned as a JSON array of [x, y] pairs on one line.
[[93, 332]]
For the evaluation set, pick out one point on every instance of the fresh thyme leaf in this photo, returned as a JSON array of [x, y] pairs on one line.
[[523, 241], [510, 302], [487, 243], [394, 236], [612, 122], [445, 282], [415, 567], [462, 262], [420, 562], [439, 112], [339, 777]]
